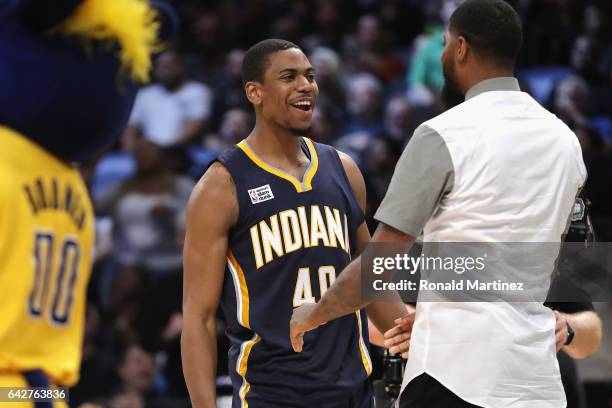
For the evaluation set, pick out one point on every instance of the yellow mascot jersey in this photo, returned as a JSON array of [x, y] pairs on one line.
[[46, 244]]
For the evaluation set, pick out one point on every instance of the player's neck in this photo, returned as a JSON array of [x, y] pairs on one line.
[[479, 74], [276, 148]]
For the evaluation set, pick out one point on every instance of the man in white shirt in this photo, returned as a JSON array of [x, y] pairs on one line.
[[173, 110], [496, 168]]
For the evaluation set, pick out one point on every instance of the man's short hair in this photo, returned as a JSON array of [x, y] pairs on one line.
[[491, 27], [257, 58]]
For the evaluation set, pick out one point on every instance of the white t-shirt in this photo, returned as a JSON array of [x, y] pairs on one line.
[[161, 114]]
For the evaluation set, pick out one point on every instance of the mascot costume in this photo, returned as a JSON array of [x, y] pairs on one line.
[[69, 72]]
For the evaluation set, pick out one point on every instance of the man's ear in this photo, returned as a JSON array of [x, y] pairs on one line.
[[463, 48], [254, 92]]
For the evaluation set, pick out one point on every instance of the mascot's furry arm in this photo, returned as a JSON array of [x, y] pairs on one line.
[[71, 68]]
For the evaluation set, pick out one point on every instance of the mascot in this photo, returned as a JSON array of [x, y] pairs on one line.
[[69, 72]]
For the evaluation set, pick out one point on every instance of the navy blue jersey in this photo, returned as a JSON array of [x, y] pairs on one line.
[[291, 240]]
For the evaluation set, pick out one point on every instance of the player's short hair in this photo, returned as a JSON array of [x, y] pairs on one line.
[[491, 27], [257, 58]]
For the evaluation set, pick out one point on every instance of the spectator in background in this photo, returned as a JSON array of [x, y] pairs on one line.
[[206, 34], [136, 373], [595, 23], [425, 79], [159, 326], [146, 211], [379, 160], [586, 93], [171, 112], [329, 26], [327, 65], [235, 126], [228, 91], [399, 123], [370, 50], [586, 59], [324, 123], [97, 363], [588, 62], [364, 103], [570, 101]]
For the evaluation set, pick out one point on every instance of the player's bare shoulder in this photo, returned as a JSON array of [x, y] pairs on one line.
[[214, 194], [354, 176]]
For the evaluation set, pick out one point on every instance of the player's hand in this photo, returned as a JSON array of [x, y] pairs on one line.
[[560, 330], [397, 339], [300, 324]]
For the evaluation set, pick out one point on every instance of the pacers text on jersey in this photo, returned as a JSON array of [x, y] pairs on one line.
[[49, 194]]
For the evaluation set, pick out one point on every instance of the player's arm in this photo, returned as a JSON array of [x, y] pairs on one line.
[[344, 296], [381, 314], [376, 336], [211, 212]]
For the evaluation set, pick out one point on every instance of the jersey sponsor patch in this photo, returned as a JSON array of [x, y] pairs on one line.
[[260, 194]]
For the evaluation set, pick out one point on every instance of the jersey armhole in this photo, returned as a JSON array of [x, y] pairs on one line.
[[361, 212]]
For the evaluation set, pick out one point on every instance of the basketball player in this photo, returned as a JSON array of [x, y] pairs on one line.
[[269, 226]]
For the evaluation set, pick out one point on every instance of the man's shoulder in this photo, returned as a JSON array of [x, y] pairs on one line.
[[458, 114], [216, 183]]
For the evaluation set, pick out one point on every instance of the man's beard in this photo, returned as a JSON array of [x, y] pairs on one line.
[[301, 132], [451, 95]]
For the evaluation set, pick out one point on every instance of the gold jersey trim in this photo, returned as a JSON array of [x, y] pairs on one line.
[[241, 368], [300, 186], [242, 291], [365, 355]]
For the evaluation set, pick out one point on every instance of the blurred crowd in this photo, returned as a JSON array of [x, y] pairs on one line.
[[379, 74]]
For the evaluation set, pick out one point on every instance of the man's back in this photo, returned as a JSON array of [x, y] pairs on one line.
[[516, 171]]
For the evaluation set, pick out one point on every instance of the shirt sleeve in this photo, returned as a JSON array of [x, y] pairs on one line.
[[423, 175]]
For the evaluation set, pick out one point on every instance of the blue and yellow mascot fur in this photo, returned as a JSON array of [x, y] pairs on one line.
[[69, 72], [69, 69]]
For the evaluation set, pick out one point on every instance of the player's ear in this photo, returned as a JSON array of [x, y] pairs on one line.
[[254, 92], [462, 48]]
